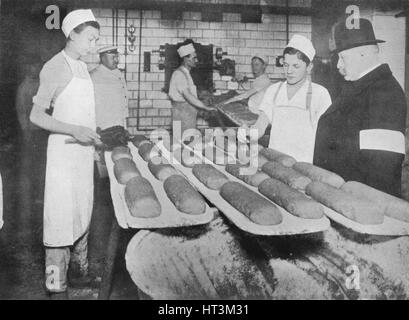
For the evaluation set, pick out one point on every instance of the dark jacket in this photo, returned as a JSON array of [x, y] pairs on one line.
[[376, 101]]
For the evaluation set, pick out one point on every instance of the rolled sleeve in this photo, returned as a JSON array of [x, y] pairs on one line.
[[261, 83], [178, 84], [47, 88]]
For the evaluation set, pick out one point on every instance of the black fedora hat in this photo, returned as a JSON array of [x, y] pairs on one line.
[[347, 38]]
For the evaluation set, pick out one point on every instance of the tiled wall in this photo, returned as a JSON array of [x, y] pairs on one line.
[[240, 40], [393, 31]]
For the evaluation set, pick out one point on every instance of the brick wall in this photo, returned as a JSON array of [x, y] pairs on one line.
[[240, 40]]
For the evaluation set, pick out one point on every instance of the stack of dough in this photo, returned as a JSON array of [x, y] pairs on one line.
[[358, 209], [141, 198], [294, 201], [209, 176], [251, 204], [183, 195], [392, 206], [318, 174], [287, 175], [274, 155]]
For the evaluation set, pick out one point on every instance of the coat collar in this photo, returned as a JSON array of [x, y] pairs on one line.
[[381, 72], [354, 88]]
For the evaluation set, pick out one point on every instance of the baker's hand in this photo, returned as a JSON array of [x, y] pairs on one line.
[[239, 77], [211, 109], [86, 135]]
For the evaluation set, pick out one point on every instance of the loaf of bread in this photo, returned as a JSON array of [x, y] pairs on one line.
[[162, 171], [234, 170], [230, 147], [393, 207], [145, 151], [287, 175], [189, 159], [345, 203], [209, 176], [120, 152], [262, 160], [274, 155], [141, 198], [139, 139], [294, 201], [318, 174], [124, 170], [251, 204], [251, 179], [255, 179], [183, 195], [218, 156]]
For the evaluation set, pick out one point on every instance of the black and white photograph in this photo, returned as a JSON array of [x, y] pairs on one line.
[[204, 150]]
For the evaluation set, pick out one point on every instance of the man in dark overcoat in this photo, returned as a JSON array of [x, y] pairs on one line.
[[361, 136]]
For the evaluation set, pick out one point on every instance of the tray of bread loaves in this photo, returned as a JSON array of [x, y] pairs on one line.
[[362, 208], [147, 196], [303, 193], [243, 204], [354, 205]]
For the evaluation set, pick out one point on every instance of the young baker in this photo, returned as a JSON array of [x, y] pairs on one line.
[[293, 107], [66, 85]]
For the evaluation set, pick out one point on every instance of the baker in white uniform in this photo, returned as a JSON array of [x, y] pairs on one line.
[[111, 93], [183, 92], [66, 85], [293, 107], [258, 86]]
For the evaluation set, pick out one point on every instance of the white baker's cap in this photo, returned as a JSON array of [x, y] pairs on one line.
[[302, 44], [186, 50], [262, 57], [75, 18], [108, 49]]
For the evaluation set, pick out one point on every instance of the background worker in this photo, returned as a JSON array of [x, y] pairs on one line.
[[111, 93], [182, 90], [259, 85]]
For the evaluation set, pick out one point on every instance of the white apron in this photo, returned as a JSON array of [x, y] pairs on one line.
[[69, 187], [292, 130], [184, 111]]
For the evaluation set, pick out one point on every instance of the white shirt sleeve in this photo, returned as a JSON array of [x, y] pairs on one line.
[[178, 84], [267, 103], [322, 101]]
